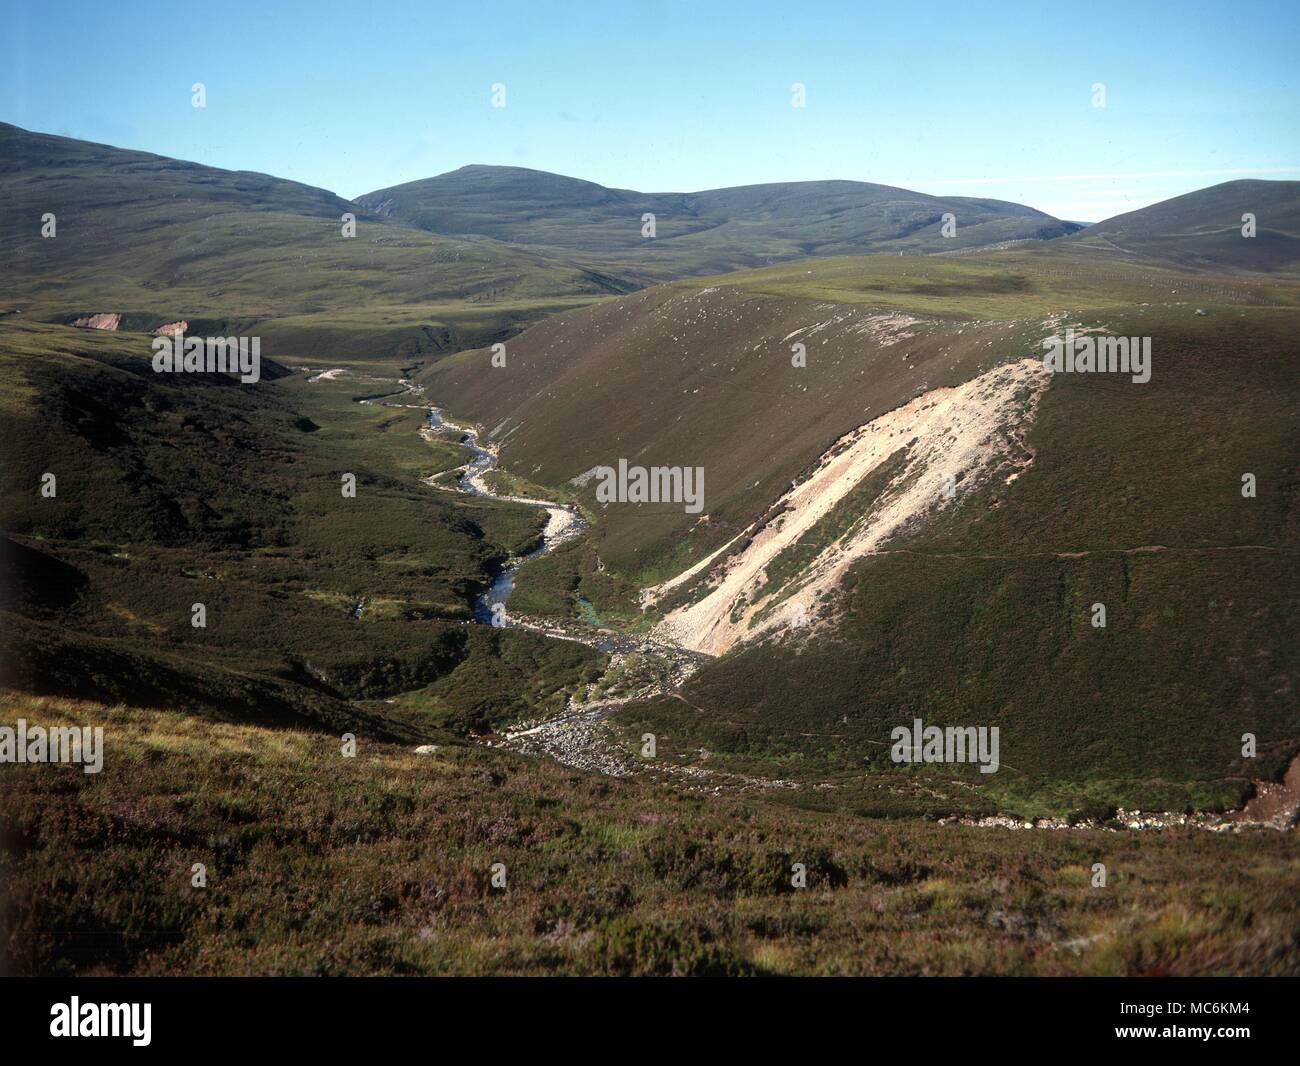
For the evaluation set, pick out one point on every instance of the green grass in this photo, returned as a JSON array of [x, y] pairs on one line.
[[1009, 285], [1203, 229], [159, 240], [223, 741]]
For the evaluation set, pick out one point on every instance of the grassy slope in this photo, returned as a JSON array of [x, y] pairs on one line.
[[700, 373], [176, 489], [698, 233], [986, 622], [319, 864], [981, 617], [1202, 229]]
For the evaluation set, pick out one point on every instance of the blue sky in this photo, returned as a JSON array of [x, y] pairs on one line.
[[960, 98]]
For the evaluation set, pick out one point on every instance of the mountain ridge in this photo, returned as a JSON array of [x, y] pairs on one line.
[[701, 232]]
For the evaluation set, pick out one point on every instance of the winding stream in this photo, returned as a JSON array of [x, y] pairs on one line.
[[563, 523]]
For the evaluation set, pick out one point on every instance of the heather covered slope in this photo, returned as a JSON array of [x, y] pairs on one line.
[[975, 609], [832, 404], [381, 864], [702, 232], [159, 240], [700, 373]]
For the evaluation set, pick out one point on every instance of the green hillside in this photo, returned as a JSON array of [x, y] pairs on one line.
[[176, 489], [822, 397], [159, 240], [700, 372]]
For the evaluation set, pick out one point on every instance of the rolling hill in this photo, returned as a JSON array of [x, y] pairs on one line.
[[904, 516], [826, 473], [176, 489], [158, 240], [1204, 229], [703, 232]]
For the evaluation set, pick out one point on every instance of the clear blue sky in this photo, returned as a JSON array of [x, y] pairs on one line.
[[961, 98]]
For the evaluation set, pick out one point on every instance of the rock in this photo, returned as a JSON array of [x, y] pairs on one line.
[[103, 320], [427, 749]]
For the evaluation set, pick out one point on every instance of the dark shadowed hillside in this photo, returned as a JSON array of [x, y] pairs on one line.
[[177, 489]]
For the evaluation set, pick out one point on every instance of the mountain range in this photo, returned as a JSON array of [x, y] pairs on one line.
[[704, 232]]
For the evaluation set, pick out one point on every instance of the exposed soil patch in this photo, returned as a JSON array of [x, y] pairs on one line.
[[1275, 804], [949, 436], [103, 320]]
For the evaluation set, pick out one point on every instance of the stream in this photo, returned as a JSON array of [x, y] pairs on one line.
[[637, 667], [563, 522]]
